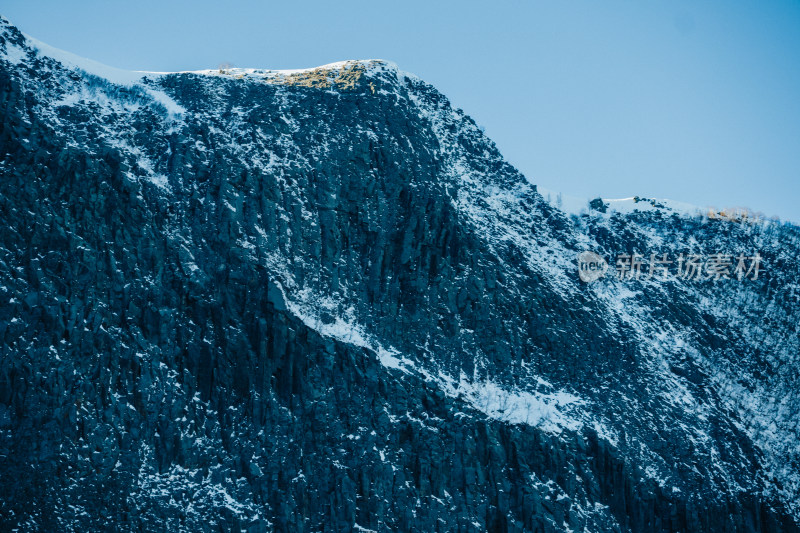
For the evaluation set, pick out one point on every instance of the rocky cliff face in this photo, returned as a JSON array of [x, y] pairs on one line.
[[322, 301]]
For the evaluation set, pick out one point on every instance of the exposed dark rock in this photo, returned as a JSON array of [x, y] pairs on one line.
[[240, 301]]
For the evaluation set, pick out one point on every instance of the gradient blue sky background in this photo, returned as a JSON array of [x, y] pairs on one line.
[[695, 101]]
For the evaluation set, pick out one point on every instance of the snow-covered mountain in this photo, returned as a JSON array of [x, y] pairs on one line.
[[320, 300]]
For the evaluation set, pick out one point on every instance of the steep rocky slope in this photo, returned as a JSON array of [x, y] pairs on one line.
[[321, 300]]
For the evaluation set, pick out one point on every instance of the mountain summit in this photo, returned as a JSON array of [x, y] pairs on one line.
[[320, 300]]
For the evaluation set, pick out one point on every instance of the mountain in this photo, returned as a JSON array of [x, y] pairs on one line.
[[320, 300]]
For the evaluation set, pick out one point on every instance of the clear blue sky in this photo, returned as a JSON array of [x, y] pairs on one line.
[[695, 101]]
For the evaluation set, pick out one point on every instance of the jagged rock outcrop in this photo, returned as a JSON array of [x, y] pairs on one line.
[[322, 301]]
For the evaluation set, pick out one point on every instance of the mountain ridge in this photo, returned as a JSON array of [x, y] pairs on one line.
[[248, 265]]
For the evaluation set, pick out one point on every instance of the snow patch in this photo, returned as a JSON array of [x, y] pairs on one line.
[[551, 412]]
